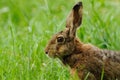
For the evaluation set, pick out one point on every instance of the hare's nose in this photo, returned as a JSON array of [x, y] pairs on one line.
[[46, 52]]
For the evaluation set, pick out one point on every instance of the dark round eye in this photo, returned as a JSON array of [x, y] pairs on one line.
[[60, 39]]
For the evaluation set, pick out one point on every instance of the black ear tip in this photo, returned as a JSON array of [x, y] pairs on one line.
[[78, 5]]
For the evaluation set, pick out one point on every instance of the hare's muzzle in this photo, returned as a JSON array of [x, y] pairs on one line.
[[46, 51]]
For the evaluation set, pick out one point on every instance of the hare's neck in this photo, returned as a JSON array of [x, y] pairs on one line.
[[79, 54], [74, 57]]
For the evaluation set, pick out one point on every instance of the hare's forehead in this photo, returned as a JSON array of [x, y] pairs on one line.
[[61, 33], [54, 37]]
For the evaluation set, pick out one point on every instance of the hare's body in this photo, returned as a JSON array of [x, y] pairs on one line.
[[85, 59], [88, 59]]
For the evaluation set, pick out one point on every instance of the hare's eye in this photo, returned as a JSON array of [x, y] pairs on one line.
[[60, 39]]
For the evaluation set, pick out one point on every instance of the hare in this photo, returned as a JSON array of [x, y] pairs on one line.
[[85, 59]]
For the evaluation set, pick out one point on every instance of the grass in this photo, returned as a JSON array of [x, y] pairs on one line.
[[27, 25]]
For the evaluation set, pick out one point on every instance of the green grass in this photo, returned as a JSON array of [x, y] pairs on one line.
[[27, 25]]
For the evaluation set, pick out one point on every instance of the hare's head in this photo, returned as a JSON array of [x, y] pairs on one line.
[[62, 43]]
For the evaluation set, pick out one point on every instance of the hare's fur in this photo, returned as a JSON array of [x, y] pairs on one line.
[[83, 58]]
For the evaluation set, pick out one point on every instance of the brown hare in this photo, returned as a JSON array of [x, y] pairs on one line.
[[83, 58]]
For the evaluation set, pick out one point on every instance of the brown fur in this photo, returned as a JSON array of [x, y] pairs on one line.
[[83, 58], [87, 58]]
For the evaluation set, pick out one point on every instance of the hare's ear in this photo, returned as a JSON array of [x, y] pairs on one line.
[[74, 19]]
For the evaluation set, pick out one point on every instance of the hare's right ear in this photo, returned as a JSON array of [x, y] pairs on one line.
[[74, 19]]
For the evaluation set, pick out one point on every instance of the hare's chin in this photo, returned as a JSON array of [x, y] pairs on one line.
[[53, 56]]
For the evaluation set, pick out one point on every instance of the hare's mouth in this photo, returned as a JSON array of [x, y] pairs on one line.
[[53, 55], [56, 55]]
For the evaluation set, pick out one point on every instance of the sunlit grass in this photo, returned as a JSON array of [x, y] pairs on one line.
[[26, 26]]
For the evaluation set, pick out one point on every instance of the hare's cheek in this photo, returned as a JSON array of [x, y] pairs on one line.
[[51, 53], [62, 50]]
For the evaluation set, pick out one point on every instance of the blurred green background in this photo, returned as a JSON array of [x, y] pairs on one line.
[[27, 25]]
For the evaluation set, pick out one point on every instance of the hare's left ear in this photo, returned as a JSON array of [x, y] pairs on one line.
[[74, 19]]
